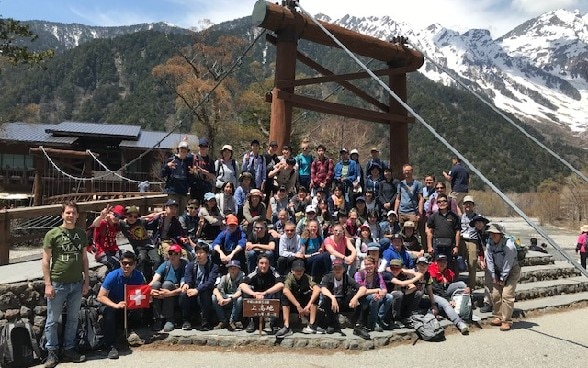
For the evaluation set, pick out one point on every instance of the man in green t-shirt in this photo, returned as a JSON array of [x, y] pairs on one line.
[[65, 272]]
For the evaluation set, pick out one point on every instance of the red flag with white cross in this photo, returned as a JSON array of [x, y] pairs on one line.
[[137, 296]]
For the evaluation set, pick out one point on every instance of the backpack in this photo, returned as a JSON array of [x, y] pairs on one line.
[[18, 345], [89, 334], [521, 249], [220, 171], [427, 327], [463, 304]]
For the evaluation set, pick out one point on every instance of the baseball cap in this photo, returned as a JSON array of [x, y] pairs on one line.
[[227, 147], [392, 212], [203, 142], [234, 263], [133, 209], [408, 224], [468, 198], [255, 141], [171, 202], [310, 208], [255, 192], [298, 265], [422, 260], [232, 220], [338, 262], [183, 144], [395, 263], [373, 246], [273, 144], [343, 149], [175, 248], [119, 210], [441, 257], [208, 196], [354, 151]]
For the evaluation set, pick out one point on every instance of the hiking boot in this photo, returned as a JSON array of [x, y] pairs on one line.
[[284, 332], [331, 330], [113, 353], [232, 326], [361, 332], [505, 326], [496, 322], [70, 355], [169, 326], [157, 325], [250, 326], [385, 325], [221, 325], [463, 328], [377, 328], [135, 340], [52, 359], [486, 308], [186, 326], [205, 327]]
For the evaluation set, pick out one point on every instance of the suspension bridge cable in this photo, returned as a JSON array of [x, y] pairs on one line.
[[238, 62], [455, 77], [116, 173], [66, 174], [507, 200]]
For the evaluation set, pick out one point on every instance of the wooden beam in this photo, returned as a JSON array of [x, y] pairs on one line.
[[349, 76], [275, 18], [340, 109], [61, 152]]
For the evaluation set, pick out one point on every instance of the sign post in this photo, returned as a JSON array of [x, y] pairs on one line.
[[262, 308]]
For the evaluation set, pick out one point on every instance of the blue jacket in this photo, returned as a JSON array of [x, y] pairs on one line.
[[207, 282], [178, 180], [352, 172], [403, 255], [229, 241]]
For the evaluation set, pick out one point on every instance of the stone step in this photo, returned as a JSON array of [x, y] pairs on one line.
[[534, 258], [553, 271], [548, 288]]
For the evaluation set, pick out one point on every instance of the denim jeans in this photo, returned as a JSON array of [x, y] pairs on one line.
[[72, 294], [236, 308], [164, 308], [378, 309]]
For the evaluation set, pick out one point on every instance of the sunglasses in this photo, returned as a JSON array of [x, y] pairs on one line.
[[290, 230], [258, 228], [173, 253], [439, 187], [442, 201], [127, 263], [116, 215]]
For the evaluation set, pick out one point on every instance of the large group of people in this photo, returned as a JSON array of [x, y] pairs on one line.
[[323, 236]]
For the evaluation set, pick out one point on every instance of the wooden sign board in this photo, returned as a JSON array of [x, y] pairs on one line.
[[261, 307]]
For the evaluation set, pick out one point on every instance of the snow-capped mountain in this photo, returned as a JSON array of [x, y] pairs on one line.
[[538, 71]]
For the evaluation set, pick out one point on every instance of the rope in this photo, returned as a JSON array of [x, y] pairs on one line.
[[496, 110], [507, 200], [116, 172]]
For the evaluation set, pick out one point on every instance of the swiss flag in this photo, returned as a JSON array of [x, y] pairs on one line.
[[137, 296]]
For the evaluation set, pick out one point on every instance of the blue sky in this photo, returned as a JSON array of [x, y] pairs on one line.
[[499, 16]]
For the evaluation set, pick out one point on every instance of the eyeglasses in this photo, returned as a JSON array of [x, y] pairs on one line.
[[439, 187], [442, 201], [258, 228], [117, 216], [172, 253], [290, 230], [127, 263]]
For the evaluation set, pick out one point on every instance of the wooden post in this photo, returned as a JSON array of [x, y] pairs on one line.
[[38, 183], [281, 114], [398, 131], [88, 165], [4, 238]]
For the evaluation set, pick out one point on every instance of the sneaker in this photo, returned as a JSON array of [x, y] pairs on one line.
[[486, 308], [251, 326], [238, 325], [309, 330], [186, 326], [221, 325], [320, 330], [157, 325], [113, 353], [378, 328], [505, 326], [168, 326], [361, 332], [385, 325], [331, 330], [284, 332], [52, 359], [70, 355], [135, 340], [463, 328], [232, 326]]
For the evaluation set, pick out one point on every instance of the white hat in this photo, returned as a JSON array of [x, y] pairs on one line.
[[227, 147], [183, 144], [310, 208], [494, 228], [468, 198], [353, 151], [392, 212]]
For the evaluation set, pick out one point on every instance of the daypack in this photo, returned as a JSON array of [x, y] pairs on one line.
[[427, 327], [89, 334], [18, 345], [463, 304], [521, 249]]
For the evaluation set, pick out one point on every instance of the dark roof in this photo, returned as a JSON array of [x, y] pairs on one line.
[[32, 133], [77, 129]]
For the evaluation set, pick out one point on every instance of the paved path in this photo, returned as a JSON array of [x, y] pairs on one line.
[[554, 340]]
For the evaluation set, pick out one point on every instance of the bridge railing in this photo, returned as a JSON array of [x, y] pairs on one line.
[[146, 204]]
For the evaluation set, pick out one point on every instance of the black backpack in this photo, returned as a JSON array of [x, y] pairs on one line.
[[427, 327], [18, 345], [89, 334]]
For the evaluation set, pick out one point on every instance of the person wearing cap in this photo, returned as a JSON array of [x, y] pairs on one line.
[[225, 168], [411, 241], [359, 186], [254, 163], [346, 175], [389, 229], [263, 283], [377, 297], [65, 270], [479, 223], [375, 160], [199, 279], [177, 171], [302, 293], [279, 202], [134, 228], [165, 289], [469, 245], [409, 201], [340, 294], [443, 230], [167, 230], [106, 228], [259, 241], [318, 262], [582, 245], [303, 162], [113, 306], [322, 170], [459, 177], [210, 222], [245, 186], [298, 203], [225, 199], [438, 282], [396, 250], [203, 171], [309, 215], [289, 249], [502, 263], [373, 250], [254, 209], [340, 247], [227, 295], [229, 244], [284, 174]]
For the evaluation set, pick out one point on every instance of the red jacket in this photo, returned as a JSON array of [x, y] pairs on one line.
[[445, 277]]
